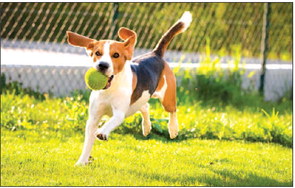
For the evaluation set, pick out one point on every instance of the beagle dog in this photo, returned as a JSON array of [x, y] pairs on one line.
[[131, 82]]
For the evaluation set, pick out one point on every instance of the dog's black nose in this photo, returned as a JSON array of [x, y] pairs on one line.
[[102, 66]]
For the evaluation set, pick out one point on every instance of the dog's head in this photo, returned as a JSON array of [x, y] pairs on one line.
[[109, 56]]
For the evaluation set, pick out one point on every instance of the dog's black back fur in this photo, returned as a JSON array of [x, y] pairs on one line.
[[148, 69]]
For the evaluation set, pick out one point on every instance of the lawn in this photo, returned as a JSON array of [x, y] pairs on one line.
[[47, 158], [227, 137]]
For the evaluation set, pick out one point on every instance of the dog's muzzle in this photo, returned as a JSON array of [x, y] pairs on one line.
[[102, 66]]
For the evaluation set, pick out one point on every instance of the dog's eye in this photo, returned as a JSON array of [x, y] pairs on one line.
[[116, 55], [98, 53]]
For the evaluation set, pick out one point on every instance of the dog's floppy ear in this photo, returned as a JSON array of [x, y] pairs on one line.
[[129, 37], [124, 33], [79, 40]]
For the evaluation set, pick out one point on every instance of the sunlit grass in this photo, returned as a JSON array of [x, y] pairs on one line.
[[46, 158], [195, 120], [41, 139]]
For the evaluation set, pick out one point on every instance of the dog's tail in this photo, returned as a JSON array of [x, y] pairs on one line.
[[180, 26]]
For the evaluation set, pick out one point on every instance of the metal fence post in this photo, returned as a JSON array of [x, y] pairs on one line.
[[264, 45]]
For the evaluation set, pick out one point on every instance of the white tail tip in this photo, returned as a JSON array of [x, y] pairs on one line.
[[186, 18]]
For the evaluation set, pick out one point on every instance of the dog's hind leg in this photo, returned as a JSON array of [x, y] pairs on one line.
[[173, 125], [146, 123], [168, 99], [170, 107]]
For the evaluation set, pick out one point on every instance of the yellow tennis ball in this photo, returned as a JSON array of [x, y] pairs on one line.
[[95, 80]]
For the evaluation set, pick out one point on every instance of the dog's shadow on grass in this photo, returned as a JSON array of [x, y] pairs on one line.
[[162, 138], [222, 177], [249, 180]]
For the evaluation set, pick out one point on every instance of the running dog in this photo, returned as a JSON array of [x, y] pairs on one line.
[[131, 83]]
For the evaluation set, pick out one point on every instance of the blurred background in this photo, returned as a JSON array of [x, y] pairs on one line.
[[252, 42]]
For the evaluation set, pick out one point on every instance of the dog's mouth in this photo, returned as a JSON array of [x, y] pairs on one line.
[[109, 82]]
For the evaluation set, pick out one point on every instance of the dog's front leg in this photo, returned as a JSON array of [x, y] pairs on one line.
[[103, 132], [91, 126], [95, 111]]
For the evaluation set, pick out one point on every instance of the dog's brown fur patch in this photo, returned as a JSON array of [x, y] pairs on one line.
[[169, 99], [119, 62], [134, 81]]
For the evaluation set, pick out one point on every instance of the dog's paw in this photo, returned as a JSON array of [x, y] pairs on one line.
[[102, 136], [173, 133], [83, 163], [146, 132], [146, 128], [90, 159], [173, 126]]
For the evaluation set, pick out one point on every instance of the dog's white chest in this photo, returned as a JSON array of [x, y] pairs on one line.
[[139, 103]]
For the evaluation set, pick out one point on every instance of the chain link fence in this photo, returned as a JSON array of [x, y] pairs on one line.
[[36, 31]]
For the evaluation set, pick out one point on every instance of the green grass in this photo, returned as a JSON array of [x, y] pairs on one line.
[[228, 137], [264, 124], [47, 158]]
